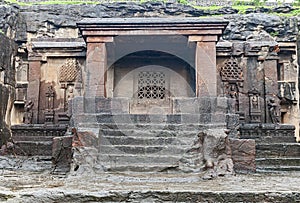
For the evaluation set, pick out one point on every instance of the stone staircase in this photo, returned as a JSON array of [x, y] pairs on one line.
[[146, 143], [276, 146], [35, 139]]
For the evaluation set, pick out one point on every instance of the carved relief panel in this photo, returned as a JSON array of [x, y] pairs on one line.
[[232, 78], [69, 78]]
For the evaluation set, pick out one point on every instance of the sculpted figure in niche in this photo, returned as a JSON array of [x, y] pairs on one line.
[[28, 114], [273, 109]]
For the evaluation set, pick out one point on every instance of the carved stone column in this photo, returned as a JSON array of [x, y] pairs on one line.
[[271, 89], [33, 90], [96, 66], [205, 65]]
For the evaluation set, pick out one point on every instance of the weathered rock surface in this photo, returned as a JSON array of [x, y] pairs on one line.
[[211, 153], [23, 163], [241, 26], [48, 20], [25, 186], [7, 86]]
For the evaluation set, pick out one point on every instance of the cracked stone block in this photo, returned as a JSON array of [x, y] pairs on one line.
[[62, 154], [243, 154]]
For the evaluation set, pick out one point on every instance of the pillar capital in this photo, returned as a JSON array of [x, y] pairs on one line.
[[99, 39], [203, 38]]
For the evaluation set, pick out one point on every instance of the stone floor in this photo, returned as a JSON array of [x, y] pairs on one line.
[[20, 185]]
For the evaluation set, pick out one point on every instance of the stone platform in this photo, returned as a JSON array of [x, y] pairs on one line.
[[28, 186]]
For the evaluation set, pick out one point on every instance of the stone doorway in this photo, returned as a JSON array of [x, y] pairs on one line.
[[150, 80]]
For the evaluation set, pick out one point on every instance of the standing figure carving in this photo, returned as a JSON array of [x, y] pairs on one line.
[[273, 110], [28, 114]]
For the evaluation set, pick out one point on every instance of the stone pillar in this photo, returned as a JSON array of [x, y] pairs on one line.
[[33, 91], [271, 87], [205, 65], [270, 66], [96, 66]]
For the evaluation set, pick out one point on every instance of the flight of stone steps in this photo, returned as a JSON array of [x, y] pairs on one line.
[[35, 139], [276, 147], [146, 143]]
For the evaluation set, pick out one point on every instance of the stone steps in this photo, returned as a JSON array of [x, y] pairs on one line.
[[131, 140], [144, 142], [144, 150], [204, 118], [36, 139], [276, 157], [276, 147], [33, 148], [272, 169], [30, 138], [272, 139], [153, 148], [148, 126], [146, 133], [278, 161], [274, 150], [121, 159], [141, 168]]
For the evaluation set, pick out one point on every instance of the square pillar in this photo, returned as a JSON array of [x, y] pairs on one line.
[[206, 71], [271, 89], [96, 66], [33, 90], [270, 67], [95, 70]]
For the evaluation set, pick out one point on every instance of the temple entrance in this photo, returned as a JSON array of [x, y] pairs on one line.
[[151, 80]]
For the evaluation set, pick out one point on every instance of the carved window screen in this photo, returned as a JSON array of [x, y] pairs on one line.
[[231, 71], [151, 85], [69, 71]]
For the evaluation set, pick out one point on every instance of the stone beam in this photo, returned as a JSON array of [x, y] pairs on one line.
[[150, 32], [151, 26]]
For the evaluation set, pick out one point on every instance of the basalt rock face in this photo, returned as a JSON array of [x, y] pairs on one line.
[[49, 20], [242, 26], [7, 84], [11, 22]]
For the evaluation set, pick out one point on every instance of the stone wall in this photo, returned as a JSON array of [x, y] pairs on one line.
[[7, 86], [24, 23]]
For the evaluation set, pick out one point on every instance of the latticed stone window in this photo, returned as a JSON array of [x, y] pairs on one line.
[[231, 71], [69, 71], [151, 85], [232, 77]]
